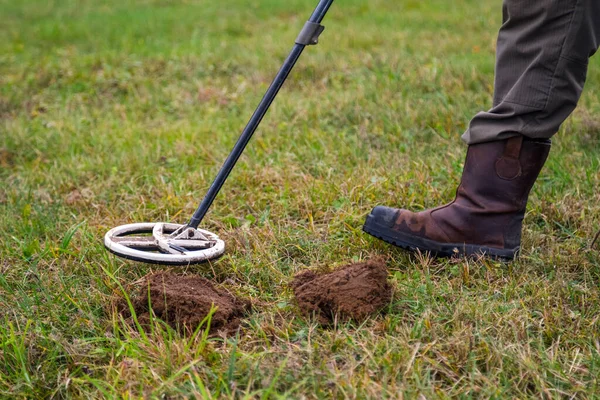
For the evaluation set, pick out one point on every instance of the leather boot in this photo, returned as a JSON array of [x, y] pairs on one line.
[[486, 216]]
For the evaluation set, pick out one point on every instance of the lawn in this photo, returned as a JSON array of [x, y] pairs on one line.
[[120, 111]]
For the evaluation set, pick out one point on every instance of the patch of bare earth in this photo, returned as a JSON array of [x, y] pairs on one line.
[[184, 302], [354, 292]]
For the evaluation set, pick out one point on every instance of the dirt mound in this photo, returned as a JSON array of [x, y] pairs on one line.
[[353, 292], [184, 301]]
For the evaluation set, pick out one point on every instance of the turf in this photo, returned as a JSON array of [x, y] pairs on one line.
[[114, 112]]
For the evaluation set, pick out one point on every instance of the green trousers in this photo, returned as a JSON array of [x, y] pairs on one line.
[[541, 66]]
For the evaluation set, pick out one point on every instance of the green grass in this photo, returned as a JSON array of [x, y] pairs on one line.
[[122, 111]]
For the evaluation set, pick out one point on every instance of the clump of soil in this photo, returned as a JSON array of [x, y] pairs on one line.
[[355, 292], [184, 301]]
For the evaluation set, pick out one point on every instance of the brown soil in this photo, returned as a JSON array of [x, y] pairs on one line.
[[352, 292], [184, 301]]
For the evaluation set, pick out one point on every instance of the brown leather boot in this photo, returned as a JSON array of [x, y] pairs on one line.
[[487, 213]]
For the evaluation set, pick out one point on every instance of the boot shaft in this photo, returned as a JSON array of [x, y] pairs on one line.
[[498, 176], [491, 200]]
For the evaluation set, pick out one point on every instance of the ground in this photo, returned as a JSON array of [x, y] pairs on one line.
[[120, 111]]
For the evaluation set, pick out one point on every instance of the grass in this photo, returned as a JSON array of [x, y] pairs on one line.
[[122, 111]]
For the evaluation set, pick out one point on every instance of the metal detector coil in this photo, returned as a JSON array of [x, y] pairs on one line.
[[163, 243]]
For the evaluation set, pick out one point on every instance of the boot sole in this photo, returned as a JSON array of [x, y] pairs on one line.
[[437, 249]]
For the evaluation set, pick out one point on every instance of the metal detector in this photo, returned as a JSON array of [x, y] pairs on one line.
[[175, 244]]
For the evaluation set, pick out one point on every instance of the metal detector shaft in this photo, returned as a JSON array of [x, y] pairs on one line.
[[308, 36]]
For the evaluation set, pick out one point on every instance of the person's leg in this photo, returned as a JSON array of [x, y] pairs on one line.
[[541, 66], [543, 51]]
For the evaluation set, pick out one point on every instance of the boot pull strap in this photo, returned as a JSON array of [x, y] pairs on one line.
[[508, 166]]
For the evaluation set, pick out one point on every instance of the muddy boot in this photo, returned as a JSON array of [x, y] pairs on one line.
[[487, 213]]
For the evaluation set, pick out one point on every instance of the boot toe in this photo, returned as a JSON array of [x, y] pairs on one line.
[[384, 216]]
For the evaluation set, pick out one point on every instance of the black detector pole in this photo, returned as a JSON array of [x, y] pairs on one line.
[[308, 36]]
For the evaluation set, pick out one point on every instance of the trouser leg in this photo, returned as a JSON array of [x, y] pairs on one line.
[[541, 66]]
